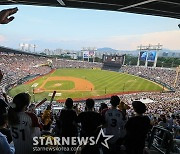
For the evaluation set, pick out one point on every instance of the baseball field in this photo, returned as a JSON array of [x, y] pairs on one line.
[[83, 83]]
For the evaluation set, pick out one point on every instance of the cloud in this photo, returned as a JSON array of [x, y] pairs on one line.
[[169, 39]]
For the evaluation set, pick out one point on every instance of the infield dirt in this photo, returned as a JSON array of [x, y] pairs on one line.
[[80, 84]]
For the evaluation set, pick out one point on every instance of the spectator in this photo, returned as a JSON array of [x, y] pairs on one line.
[[90, 120], [68, 120], [137, 128], [102, 107], [4, 127], [114, 125], [154, 122], [171, 121], [47, 118], [3, 106], [163, 123], [4, 145], [123, 107], [24, 126]]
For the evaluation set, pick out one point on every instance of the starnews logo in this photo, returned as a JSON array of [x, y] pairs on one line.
[[71, 141], [107, 137]]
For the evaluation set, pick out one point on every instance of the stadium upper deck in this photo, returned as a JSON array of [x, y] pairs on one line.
[[165, 8]]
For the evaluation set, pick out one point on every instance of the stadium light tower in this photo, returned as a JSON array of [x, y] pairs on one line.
[[34, 47], [21, 45], [29, 47]]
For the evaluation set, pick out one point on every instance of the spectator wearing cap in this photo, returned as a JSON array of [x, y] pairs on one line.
[[137, 128]]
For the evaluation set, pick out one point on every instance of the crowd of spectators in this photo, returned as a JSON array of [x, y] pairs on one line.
[[159, 104], [125, 118], [165, 75], [64, 63], [162, 103], [17, 66]]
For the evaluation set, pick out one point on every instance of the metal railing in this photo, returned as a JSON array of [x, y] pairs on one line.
[[161, 139]]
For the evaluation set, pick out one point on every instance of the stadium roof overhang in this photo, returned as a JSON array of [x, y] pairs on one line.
[[164, 8]]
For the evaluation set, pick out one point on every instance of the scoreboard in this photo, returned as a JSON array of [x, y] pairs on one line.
[[113, 61]]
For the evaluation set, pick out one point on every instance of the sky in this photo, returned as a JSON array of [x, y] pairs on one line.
[[68, 28]]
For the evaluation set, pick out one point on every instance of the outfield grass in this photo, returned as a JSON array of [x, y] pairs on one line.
[[105, 82]]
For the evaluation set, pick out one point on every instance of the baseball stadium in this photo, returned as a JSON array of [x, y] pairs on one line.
[[90, 100]]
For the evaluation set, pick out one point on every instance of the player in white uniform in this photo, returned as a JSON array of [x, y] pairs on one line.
[[115, 121], [24, 126]]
